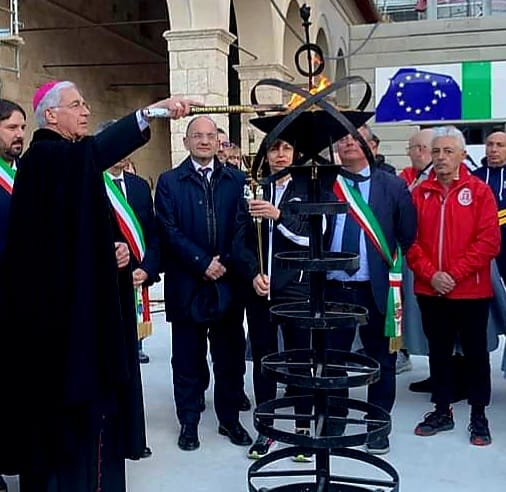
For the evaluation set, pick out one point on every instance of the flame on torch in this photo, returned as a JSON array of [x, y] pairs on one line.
[[297, 100]]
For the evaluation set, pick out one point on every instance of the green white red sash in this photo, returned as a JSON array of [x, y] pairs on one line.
[[365, 217], [6, 176], [132, 232]]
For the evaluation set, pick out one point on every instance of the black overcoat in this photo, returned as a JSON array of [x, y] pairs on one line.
[[69, 354]]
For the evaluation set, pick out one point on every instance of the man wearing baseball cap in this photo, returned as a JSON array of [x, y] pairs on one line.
[[75, 400]]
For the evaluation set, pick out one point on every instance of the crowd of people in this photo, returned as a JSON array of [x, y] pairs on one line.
[[88, 238]]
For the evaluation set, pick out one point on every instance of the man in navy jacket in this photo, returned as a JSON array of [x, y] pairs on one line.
[[195, 206], [493, 173], [12, 134], [390, 201]]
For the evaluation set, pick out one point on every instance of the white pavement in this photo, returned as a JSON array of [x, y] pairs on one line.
[[443, 463]]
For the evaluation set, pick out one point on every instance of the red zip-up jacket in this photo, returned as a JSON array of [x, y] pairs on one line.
[[458, 233]]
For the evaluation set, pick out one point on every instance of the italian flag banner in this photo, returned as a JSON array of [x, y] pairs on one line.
[[132, 232], [456, 91], [367, 221]]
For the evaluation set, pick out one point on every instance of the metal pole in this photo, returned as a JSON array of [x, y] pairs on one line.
[[431, 9], [487, 7]]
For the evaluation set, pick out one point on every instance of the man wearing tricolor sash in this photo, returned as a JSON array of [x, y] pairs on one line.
[[72, 371], [131, 199], [12, 134], [379, 227]]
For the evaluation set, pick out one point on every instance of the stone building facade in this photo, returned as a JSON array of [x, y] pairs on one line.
[[125, 54]]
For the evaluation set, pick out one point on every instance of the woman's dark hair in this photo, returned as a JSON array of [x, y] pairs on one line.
[[8, 107]]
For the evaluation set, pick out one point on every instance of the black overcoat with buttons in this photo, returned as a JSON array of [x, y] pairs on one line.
[[195, 225]]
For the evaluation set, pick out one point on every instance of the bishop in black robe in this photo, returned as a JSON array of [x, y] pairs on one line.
[[71, 371]]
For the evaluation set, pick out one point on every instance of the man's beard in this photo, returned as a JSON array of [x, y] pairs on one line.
[[13, 153]]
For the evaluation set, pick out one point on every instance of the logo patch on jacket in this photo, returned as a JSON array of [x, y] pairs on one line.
[[465, 197]]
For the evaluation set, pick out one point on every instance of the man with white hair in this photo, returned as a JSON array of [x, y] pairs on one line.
[[419, 152], [72, 369], [457, 239]]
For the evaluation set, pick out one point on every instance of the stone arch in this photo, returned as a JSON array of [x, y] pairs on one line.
[[290, 42], [255, 30], [195, 14], [322, 42], [341, 71]]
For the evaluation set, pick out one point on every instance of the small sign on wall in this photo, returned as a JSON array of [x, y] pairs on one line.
[[456, 91]]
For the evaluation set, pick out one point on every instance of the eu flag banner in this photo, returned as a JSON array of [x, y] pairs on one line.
[[457, 91]]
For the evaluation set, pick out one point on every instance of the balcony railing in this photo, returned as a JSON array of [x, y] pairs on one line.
[[404, 10]]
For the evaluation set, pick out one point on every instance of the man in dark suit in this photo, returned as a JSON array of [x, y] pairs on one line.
[[390, 201], [143, 265], [137, 193], [195, 206], [12, 134]]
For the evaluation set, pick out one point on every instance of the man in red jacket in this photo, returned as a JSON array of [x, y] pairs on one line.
[[457, 238]]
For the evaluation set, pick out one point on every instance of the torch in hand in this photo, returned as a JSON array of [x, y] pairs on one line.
[[253, 191]]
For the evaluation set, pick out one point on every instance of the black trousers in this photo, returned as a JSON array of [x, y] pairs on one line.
[[189, 354], [376, 345], [443, 320], [262, 332]]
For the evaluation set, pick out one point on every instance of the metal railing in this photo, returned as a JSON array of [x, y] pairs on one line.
[[9, 35], [404, 10], [12, 12]]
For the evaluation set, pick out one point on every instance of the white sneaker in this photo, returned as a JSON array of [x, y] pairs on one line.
[[305, 456]]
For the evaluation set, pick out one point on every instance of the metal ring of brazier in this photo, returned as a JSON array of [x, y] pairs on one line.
[[336, 315], [336, 483], [377, 422], [301, 368], [330, 260], [317, 208]]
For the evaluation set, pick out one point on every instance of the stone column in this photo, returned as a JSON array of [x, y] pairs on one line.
[[198, 69], [249, 75]]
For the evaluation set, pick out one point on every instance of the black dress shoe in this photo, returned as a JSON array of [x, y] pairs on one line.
[[188, 437], [424, 386], [244, 404], [236, 433], [146, 453], [143, 358], [202, 403], [3, 485]]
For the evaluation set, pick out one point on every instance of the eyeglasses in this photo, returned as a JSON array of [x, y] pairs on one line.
[[202, 136], [75, 105], [416, 147], [226, 145]]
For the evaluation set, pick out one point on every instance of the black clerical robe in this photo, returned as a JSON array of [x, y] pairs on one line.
[[71, 369]]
